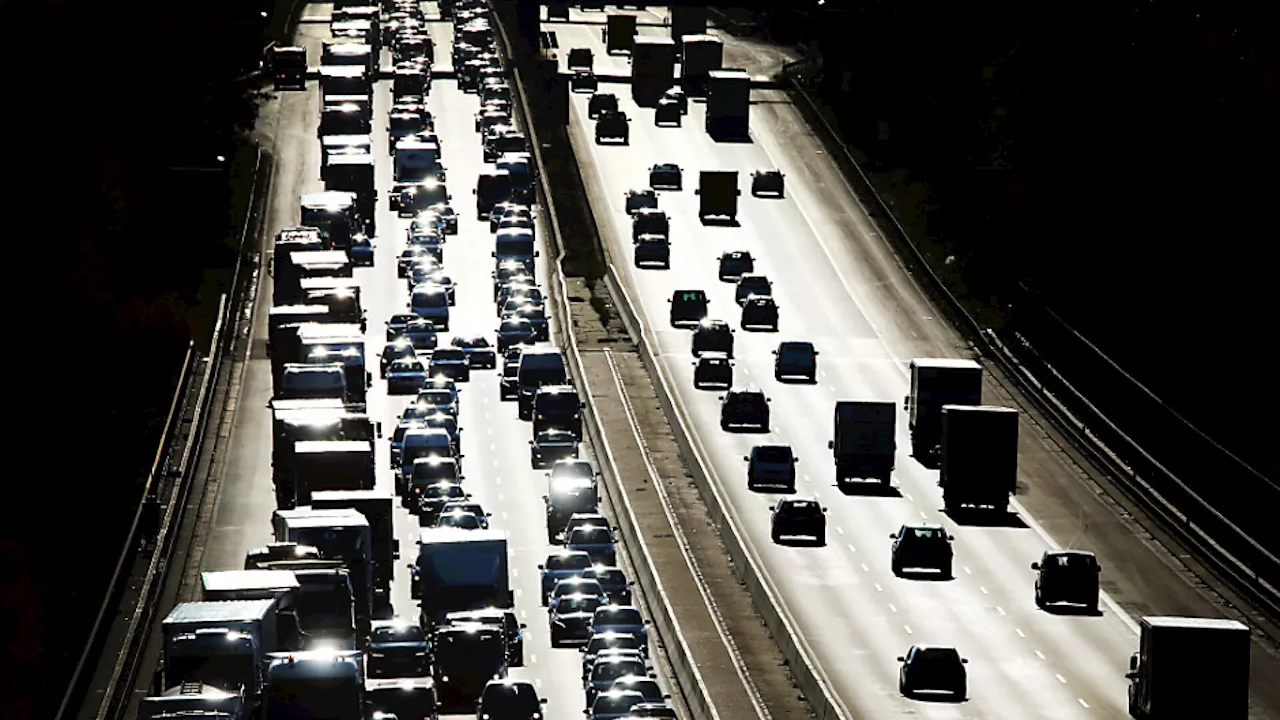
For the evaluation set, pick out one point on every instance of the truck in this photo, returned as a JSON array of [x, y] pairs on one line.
[[1189, 667], [288, 269], [325, 603], [718, 195], [219, 643], [417, 161], [728, 104], [403, 697], [289, 68], [461, 570], [344, 80], [979, 457], [862, 443], [334, 53], [653, 68], [340, 294], [354, 174], [299, 238], [331, 465], [687, 20], [193, 701], [279, 585], [936, 382], [699, 55], [295, 421], [342, 535], [283, 320], [335, 213], [465, 657], [315, 684], [343, 119], [619, 33], [375, 505]]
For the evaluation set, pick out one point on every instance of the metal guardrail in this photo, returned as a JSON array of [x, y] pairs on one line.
[[1181, 510], [165, 515]]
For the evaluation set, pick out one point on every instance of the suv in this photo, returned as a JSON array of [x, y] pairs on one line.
[[749, 285], [644, 198], [767, 182], [798, 518], [509, 699], [666, 176], [712, 370], [688, 307], [795, 359], [928, 667], [1067, 576], [601, 103], [652, 250], [613, 126], [771, 466], [760, 312], [924, 546], [735, 264], [744, 407], [713, 336]]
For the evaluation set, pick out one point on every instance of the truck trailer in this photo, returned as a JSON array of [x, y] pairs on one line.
[[1190, 668], [331, 465], [979, 457], [336, 214], [354, 174], [376, 506], [619, 33], [718, 195], [342, 535], [653, 68], [193, 701], [288, 269], [461, 570], [699, 55], [219, 643], [278, 585], [728, 104], [863, 443], [318, 685], [936, 382]]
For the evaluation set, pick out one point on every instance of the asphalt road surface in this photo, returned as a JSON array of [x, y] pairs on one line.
[[840, 287]]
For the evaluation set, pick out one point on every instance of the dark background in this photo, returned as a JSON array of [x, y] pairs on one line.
[[1128, 152]]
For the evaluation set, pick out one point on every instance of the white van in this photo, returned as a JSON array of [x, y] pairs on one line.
[[431, 301]]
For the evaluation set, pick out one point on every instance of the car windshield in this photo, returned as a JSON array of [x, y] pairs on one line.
[[574, 586], [444, 491], [514, 326], [435, 397], [578, 604], [419, 327], [619, 616], [621, 641], [609, 576], [510, 371], [471, 342], [773, 454], [466, 521], [1070, 562], [406, 365], [577, 469], [609, 670], [555, 437], [922, 534], [568, 562], [643, 685], [612, 703], [590, 536], [941, 656], [449, 355], [755, 283], [399, 634], [509, 698]]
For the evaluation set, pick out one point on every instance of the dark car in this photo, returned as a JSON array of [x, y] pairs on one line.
[[668, 113], [922, 547], [677, 95], [509, 699], [601, 102], [614, 582], [931, 667], [712, 370], [760, 313], [652, 250], [433, 498], [798, 518], [652, 710], [509, 383], [549, 446], [713, 336], [795, 359], [584, 81], [571, 619], [1067, 576], [749, 285], [607, 670], [393, 351], [649, 221], [666, 176], [398, 648], [405, 376], [688, 307], [639, 199], [503, 617], [596, 541], [515, 331], [450, 363], [744, 408], [397, 323], [735, 264], [767, 182], [771, 466], [479, 352]]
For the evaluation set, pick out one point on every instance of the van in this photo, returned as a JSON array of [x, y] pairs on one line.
[[421, 442], [515, 244], [491, 188], [431, 301], [519, 168], [557, 407], [539, 365], [303, 380]]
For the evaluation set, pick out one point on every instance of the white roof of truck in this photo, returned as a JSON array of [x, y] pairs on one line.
[[458, 535], [1194, 623], [219, 611], [328, 198], [226, 580], [315, 517], [319, 257], [729, 73], [301, 447], [945, 363], [978, 409]]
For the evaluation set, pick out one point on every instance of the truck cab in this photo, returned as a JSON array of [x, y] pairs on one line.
[[467, 656], [289, 68], [492, 187], [718, 195]]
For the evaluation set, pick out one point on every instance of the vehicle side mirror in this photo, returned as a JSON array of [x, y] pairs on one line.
[[964, 661], [893, 536], [1133, 664], [746, 458], [824, 509], [773, 507], [1099, 568], [816, 353], [473, 192], [795, 459], [1035, 566], [906, 402], [542, 567], [902, 658]]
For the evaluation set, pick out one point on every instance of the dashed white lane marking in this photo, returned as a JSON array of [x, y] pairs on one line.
[[1020, 633], [1000, 610], [878, 588], [1040, 655], [908, 629], [840, 530], [923, 516], [908, 497], [865, 568], [893, 607], [967, 571], [1083, 704], [983, 589], [1060, 678], [852, 548]]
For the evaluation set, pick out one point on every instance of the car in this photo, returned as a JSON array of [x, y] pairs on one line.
[[397, 323], [509, 699], [480, 354], [515, 331], [666, 176], [606, 670], [526, 291], [459, 519], [425, 269], [512, 305], [712, 370], [433, 498], [421, 334], [749, 285], [734, 264], [405, 376], [933, 668], [584, 81], [645, 198], [924, 546], [771, 466], [427, 471], [601, 102], [652, 250], [583, 519], [668, 113], [551, 445], [502, 617], [688, 308], [613, 126], [581, 58], [623, 618], [652, 710], [644, 684], [439, 396], [1067, 576], [608, 654], [744, 407], [572, 470], [570, 619], [536, 316], [450, 362], [596, 540], [448, 215], [767, 182], [506, 210], [677, 95], [760, 312], [795, 517], [614, 582], [408, 258], [466, 506], [606, 641], [794, 359], [614, 704], [507, 271], [393, 351], [509, 383], [576, 586], [398, 648], [712, 336], [562, 564], [649, 221], [361, 251], [489, 116]]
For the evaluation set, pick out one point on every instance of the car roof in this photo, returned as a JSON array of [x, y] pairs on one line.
[[923, 526]]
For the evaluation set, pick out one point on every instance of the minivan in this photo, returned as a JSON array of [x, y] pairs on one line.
[[421, 442], [539, 365], [431, 302]]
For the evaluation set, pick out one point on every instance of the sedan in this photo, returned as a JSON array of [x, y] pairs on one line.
[[795, 359], [421, 334], [623, 619], [712, 370], [397, 323], [641, 199], [767, 182], [478, 350], [549, 446], [653, 710], [571, 619], [749, 285], [576, 586], [666, 176], [409, 257], [405, 376], [393, 351], [792, 518], [604, 642], [614, 582], [466, 506], [509, 699], [514, 331], [450, 362], [614, 704], [923, 546], [447, 214], [459, 519], [735, 264], [398, 648], [932, 668], [560, 565], [607, 670]]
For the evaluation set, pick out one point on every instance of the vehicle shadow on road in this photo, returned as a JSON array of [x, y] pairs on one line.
[[868, 489], [939, 698], [720, 222], [1072, 611], [925, 576], [985, 518], [800, 542]]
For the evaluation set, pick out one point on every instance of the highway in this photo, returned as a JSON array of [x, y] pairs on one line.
[[840, 286], [496, 453]]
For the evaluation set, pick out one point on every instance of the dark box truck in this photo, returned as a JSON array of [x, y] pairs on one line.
[[718, 195], [620, 33], [728, 104], [862, 443], [979, 459], [1190, 668], [936, 382]]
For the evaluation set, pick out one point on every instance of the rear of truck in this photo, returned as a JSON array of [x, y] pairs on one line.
[[718, 194], [728, 104], [936, 382], [863, 444], [1190, 668], [462, 570], [979, 458]]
